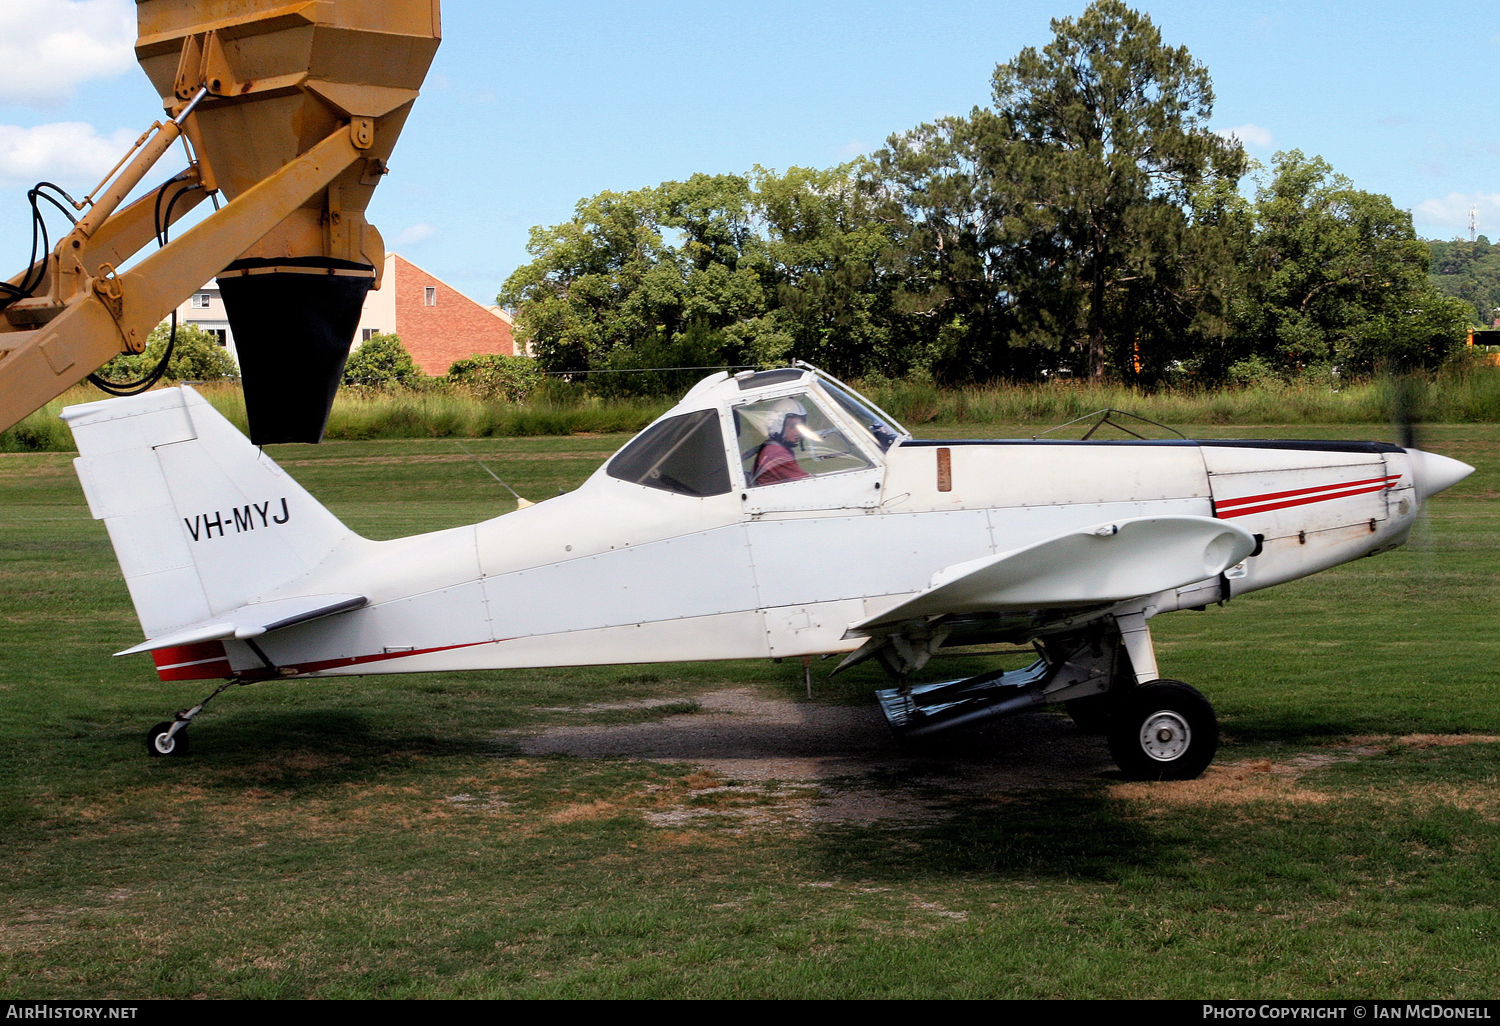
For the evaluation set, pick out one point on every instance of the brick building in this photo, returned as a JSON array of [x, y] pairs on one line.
[[436, 323]]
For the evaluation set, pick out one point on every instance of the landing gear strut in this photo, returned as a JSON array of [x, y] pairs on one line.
[[170, 736]]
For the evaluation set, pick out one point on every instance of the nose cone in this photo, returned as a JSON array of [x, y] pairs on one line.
[[1432, 473]]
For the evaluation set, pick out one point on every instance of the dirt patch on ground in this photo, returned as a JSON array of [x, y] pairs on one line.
[[1251, 780], [1235, 783], [1444, 740], [772, 760], [802, 763], [741, 735]]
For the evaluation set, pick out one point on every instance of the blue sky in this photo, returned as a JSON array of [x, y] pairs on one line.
[[530, 107]]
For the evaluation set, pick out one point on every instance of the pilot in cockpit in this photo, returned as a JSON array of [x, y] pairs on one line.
[[786, 429]]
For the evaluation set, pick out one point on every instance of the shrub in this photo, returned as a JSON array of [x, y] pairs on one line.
[[491, 376], [1253, 370], [380, 362], [196, 356]]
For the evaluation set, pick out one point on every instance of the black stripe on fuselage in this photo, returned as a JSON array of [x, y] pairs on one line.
[[1299, 444]]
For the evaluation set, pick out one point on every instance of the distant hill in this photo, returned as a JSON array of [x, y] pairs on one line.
[[1471, 272]]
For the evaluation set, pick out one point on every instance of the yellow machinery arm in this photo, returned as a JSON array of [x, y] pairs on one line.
[[291, 111]]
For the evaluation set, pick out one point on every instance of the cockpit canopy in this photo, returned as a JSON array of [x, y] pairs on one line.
[[786, 424], [682, 454]]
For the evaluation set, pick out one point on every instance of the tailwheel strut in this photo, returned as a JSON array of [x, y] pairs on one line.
[[170, 736]]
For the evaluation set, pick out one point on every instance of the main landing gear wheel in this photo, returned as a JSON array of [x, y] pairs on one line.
[[160, 744], [1163, 730]]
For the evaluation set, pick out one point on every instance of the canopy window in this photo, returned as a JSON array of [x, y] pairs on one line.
[[683, 454], [790, 438], [882, 430]]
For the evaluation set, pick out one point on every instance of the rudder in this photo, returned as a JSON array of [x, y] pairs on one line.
[[201, 520]]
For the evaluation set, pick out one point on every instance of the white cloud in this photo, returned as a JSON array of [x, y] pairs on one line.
[[419, 232], [49, 46], [1250, 135], [71, 153], [1452, 212], [852, 148]]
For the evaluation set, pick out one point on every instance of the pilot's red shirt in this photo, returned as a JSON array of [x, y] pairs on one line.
[[776, 464]]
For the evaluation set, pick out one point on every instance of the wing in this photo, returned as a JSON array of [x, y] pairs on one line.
[[254, 619], [1097, 566]]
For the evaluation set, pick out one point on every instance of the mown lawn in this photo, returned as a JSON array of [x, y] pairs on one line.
[[391, 837]]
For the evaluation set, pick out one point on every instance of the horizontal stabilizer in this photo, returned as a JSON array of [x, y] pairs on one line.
[[1098, 565], [255, 619]]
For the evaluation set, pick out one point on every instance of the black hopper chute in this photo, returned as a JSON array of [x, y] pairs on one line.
[[293, 320]]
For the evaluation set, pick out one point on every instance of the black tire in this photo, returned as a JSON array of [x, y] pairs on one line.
[[179, 742], [1163, 730]]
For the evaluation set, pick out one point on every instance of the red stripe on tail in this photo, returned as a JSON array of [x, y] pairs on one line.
[[204, 661]]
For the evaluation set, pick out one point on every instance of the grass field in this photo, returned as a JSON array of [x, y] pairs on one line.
[[432, 835]]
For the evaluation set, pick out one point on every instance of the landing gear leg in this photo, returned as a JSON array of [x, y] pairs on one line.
[[170, 737], [1094, 714], [1158, 729]]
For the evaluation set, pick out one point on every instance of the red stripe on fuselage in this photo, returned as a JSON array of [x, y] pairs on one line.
[[334, 664], [1248, 500], [1303, 500]]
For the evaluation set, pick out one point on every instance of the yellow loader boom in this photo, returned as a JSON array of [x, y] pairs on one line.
[[291, 111]]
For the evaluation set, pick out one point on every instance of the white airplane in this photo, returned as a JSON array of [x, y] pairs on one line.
[[769, 514]]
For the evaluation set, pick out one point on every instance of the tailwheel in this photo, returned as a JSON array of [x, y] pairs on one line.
[[160, 741], [1163, 730], [163, 740]]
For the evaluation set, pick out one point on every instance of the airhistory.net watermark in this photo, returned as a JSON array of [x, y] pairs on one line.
[[51, 1011]]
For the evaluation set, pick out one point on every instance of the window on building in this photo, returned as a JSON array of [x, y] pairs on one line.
[[365, 334], [429, 296], [222, 334], [200, 300]]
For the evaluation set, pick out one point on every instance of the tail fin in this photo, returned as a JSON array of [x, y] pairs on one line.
[[201, 520]]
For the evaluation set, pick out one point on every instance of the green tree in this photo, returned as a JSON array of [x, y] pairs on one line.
[[717, 269], [828, 296], [380, 362], [1088, 205], [1337, 275], [956, 210], [1421, 331], [606, 287], [1469, 271], [1106, 131]]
